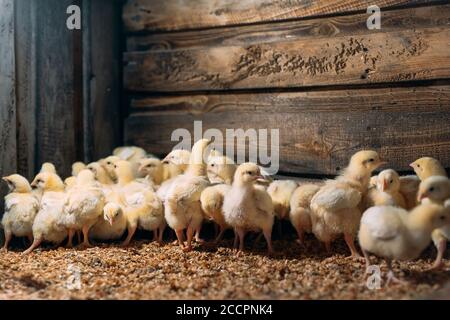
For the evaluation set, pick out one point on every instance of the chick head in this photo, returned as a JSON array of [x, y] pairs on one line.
[[97, 169], [178, 157], [124, 169], [48, 181], [247, 173], [368, 160], [220, 167], [48, 167], [85, 176], [436, 188], [77, 167], [70, 182], [17, 183], [149, 166], [111, 211], [388, 180], [426, 167], [432, 215], [108, 165]]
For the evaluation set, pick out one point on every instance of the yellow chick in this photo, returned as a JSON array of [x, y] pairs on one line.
[[100, 173], [143, 209], [247, 208], [21, 207], [77, 167], [409, 185], [300, 213], [111, 225], [182, 208], [130, 153], [84, 205], [281, 191], [386, 192], [153, 169], [175, 163], [426, 167], [108, 164], [69, 182], [48, 167], [46, 225], [436, 190], [335, 207], [394, 234], [220, 168], [211, 200]]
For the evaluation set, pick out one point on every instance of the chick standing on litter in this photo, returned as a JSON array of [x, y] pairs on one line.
[[142, 207], [281, 191], [21, 207], [85, 202], [46, 225], [335, 207], [386, 191], [436, 190], [300, 212], [112, 224], [182, 208], [396, 234], [248, 208], [211, 200]]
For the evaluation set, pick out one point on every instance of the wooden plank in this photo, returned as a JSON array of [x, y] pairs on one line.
[[59, 137], [318, 130], [395, 20], [373, 58], [101, 77], [148, 15]]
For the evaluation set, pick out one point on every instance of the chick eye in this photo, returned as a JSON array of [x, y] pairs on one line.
[[431, 189], [392, 181], [109, 163], [442, 217], [213, 165], [371, 160], [418, 166]]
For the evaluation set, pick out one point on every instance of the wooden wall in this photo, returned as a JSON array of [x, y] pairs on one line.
[[310, 68], [60, 89]]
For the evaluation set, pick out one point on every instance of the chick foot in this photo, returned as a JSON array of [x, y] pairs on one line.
[[350, 241], [36, 243], [8, 238], [438, 263], [391, 278]]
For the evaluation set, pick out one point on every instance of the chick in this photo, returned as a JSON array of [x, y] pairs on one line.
[[77, 167], [108, 164], [48, 167], [335, 207], [436, 190], [21, 207], [300, 213], [153, 169], [111, 225], [281, 191], [247, 208], [46, 226], [175, 163], [395, 234], [100, 173], [220, 168], [69, 182], [143, 209], [85, 202], [387, 191], [426, 167], [211, 200], [182, 208], [409, 186], [130, 153]]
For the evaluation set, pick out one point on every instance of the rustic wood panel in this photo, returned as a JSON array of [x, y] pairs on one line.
[[59, 136], [373, 58], [318, 130], [102, 62], [148, 15], [415, 18]]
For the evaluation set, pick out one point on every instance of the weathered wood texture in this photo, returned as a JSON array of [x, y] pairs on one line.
[[7, 95], [318, 130], [401, 54], [102, 84], [149, 15]]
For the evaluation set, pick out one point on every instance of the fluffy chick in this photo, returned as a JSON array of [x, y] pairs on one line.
[[111, 225], [69, 182], [387, 191], [426, 167], [100, 173], [395, 234], [220, 168], [77, 167], [48, 167], [21, 207], [46, 226], [335, 207], [409, 186], [176, 163], [182, 208], [108, 164], [436, 190], [143, 209], [281, 191], [300, 213], [85, 202], [130, 153], [211, 200], [153, 169], [247, 208]]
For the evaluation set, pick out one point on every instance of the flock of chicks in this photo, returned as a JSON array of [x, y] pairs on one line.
[[394, 217]]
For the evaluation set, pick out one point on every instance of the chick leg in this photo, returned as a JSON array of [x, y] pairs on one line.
[[30, 238], [391, 277], [160, 234], [189, 236], [367, 258], [197, 235], [8, 237], [70, 234], [268, 236], [236, 240], [350, 241], [438, 264], [180, 237], [85, 231], [301, 235], [36, 243], [241, 235], [220, 235], [155, 235], [131, 231]]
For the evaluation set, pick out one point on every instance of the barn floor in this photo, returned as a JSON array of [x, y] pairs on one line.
[[147, 271]]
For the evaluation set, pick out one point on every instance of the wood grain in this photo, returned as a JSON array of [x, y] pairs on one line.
[[101, 60], [395, 20], [318, 130], [148, 15], [7, 97]]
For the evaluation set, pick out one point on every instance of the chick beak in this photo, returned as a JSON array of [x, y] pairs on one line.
[[384, 186], [5, 179], [412, 165], [111, 221], [141, 168], [422, 196]]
